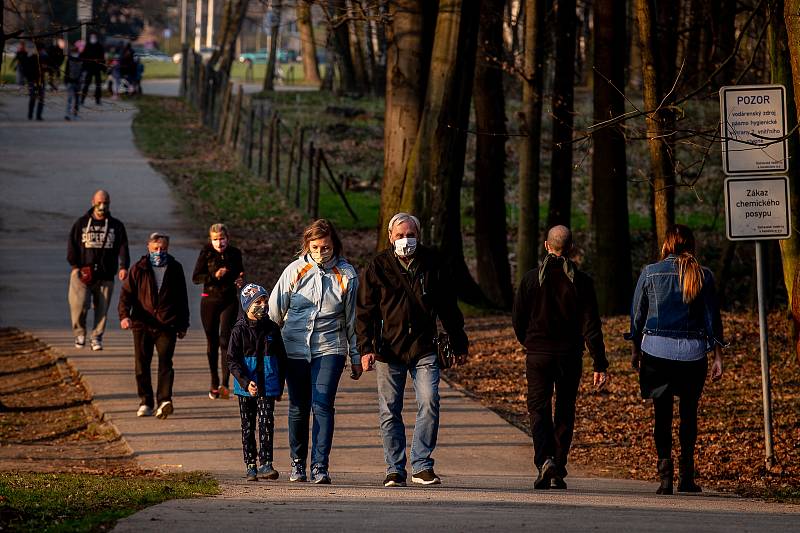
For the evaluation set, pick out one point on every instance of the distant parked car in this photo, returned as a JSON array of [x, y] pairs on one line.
[[261, 55]]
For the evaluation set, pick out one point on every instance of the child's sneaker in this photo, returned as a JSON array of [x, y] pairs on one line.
[[298, 471], [266, 471], [252, 473]]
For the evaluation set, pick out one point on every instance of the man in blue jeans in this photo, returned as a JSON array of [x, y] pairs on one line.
[[401, 293]]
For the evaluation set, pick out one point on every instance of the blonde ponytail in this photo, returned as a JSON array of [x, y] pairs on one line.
[[690, 276]]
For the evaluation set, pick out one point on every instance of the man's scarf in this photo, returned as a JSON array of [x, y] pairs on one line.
[[569, 267]]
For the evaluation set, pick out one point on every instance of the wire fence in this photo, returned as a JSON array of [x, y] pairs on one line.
[[261, 139]]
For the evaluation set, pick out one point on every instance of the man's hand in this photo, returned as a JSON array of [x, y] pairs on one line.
[[367, 362], [600, 380], [461, 359], [636, 356], [356, 370], [122, 274], [125, 323], [181, 334], [252, 388]]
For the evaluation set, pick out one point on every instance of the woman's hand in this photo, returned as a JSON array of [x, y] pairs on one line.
[[220, 272], [636, 356], [252, 388], [716, 366]]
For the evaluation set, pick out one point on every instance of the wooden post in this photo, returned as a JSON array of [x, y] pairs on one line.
[[310, 187], [336, 186], [260, 139], [300, 156], [237, 115], [250, 125], [270, 145], [289, 171], [277, 151], [224, 112]]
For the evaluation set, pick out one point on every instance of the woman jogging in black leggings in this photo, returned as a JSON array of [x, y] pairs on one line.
[[219, 268]]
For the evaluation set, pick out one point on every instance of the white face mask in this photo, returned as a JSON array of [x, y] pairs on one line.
[[321, 257], [405, 247], [93, 39]]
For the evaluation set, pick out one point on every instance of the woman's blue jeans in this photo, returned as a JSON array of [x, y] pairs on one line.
[[391, 384], [312, 387]]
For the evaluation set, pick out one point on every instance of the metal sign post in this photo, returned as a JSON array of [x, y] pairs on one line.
[[84, 15], [753, 130]]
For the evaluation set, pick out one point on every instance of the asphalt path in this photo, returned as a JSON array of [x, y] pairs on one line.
[[49, 171]]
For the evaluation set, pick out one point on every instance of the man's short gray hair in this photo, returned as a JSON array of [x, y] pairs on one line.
[[399, 218], [158, 236], [560, 239]]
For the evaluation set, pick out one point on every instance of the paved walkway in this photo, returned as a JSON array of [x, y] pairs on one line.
[[50, 169]]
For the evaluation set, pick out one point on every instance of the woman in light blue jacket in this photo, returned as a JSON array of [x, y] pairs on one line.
[[314, 302]]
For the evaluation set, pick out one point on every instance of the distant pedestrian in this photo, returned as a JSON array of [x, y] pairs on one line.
[[401, 293], [18, 63], [555, 315], [675, 322], [98, 252], [154, 304], [34, 69], [55, 58], [314, 302], [72, 81], [257, 360], [94, 65], [219, 269]]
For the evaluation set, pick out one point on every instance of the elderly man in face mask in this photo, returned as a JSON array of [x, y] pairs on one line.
[[401, 294], [97, 248], [154, 304]]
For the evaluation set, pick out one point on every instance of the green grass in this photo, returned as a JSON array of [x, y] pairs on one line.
[[88, 502], [292, 72]]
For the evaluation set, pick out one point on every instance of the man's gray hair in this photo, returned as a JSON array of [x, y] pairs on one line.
[[560, 239], [399, 218], [158, 236]]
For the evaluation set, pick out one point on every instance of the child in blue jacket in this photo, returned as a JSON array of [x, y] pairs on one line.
[[256, 359]]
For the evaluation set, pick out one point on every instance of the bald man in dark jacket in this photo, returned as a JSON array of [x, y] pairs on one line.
[[555, 315]]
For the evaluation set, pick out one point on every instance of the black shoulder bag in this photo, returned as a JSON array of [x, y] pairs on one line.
[[445, 357]]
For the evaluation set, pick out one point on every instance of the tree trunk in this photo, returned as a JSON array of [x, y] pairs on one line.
[[340, 40], [660, 121], [529, 150], [437, 160], [232, 18], [784, 42], [308, 47], [609, 176], [407, 59], [563, 91], [274, 34], [355, 29], [491, 239], [723, 13]]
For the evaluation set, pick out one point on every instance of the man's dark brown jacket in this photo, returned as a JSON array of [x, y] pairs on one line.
[[165, 309]]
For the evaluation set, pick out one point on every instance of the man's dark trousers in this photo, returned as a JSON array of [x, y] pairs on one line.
[[552, 434], [144, 340]]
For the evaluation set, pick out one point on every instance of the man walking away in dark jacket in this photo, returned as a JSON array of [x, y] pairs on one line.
[[72, 80], [402, 292], [555, 315], [154, 304], [94, 65], [34, 69], [97, 248]]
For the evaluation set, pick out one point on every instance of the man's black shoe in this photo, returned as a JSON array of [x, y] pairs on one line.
[[558, 483], [548, 471], [426, 477], [394, 480]]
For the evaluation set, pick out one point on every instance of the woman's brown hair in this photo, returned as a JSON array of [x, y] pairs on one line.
[[319, 229], [679, 242]]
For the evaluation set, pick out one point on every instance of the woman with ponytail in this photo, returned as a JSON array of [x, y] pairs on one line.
[[675, 322]]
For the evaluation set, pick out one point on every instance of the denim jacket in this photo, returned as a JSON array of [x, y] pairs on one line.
[[315, 308], [658, 307]]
